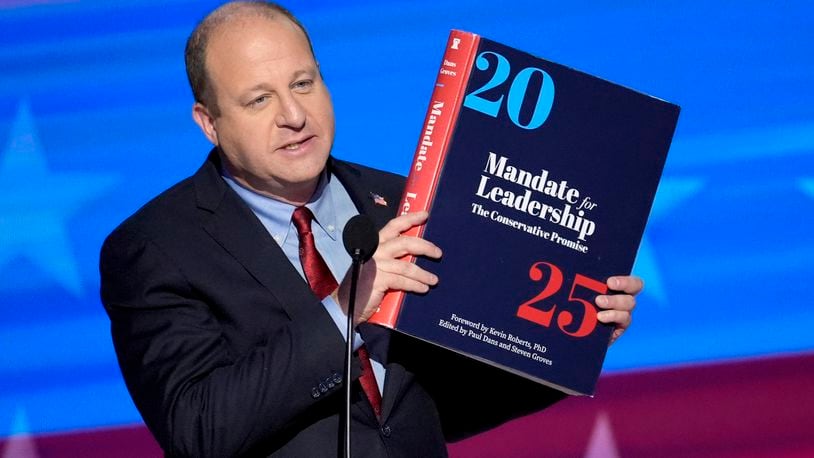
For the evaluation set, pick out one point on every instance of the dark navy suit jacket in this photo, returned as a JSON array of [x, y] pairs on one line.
[[226, 352]]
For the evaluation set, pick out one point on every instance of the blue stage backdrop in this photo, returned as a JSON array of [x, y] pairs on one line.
[[95, 120]]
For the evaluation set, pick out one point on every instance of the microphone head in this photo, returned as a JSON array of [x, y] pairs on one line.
[[361, 238]]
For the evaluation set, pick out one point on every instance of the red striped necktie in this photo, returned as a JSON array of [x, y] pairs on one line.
[[323, 283]]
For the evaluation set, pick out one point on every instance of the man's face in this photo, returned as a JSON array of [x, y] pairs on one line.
[[276, 122]]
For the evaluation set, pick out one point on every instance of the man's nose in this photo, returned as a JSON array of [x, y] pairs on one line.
[[291, 114]]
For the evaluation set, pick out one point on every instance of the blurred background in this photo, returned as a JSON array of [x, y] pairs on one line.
[[95, 120]]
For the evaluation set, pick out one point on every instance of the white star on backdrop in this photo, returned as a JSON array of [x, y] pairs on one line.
[[602, 444], [36, 204], [20, 443], [807, 185]]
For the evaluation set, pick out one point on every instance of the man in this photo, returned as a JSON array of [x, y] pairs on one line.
[[224, 346]]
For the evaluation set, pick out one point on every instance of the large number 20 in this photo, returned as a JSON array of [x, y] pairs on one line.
[[517, 92], [565, 318]]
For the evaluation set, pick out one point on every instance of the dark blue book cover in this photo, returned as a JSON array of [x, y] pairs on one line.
[[543, 192]]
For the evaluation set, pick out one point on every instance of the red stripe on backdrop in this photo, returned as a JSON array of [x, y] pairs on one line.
[[123, 442], [750, 408]]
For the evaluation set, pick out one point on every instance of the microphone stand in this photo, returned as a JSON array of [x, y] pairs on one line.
[[361, 239], [356, 265]]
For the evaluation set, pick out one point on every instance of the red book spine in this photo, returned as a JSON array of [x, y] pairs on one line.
[[433, 143]]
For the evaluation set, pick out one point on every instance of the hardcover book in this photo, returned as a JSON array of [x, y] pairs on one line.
[[539, 180]]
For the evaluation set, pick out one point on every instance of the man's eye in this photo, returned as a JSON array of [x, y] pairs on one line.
[[303, 84], [259, 101]]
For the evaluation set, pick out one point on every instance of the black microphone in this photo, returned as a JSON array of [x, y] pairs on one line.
[[361, 240]]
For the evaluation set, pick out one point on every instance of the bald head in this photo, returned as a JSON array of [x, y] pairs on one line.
[[229, 14]]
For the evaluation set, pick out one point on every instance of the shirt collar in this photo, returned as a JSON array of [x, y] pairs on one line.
[[276, 215]]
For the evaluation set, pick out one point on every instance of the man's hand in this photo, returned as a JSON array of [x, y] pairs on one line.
[[619, 307], [387, 271]]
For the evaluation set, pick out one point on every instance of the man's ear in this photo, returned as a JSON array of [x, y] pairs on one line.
[[205, 121]]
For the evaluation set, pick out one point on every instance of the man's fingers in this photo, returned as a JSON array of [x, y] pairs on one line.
[[400, 224], [619, 307], [629, 284], [399, 283], [397, 270], [621, 318], [387, 271], [624, 302], [400, 246]]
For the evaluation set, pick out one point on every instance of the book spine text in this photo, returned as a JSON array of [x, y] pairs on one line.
[[439, 124]]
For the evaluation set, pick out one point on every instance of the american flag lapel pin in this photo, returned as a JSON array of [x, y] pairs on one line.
[[378, 200]]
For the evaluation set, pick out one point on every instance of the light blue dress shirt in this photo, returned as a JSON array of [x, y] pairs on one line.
[[332, 208]]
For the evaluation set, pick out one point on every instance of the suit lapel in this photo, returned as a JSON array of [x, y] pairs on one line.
[[363, 193], [232, 224]]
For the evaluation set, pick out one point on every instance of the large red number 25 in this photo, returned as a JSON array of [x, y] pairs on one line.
[[544, 317]]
